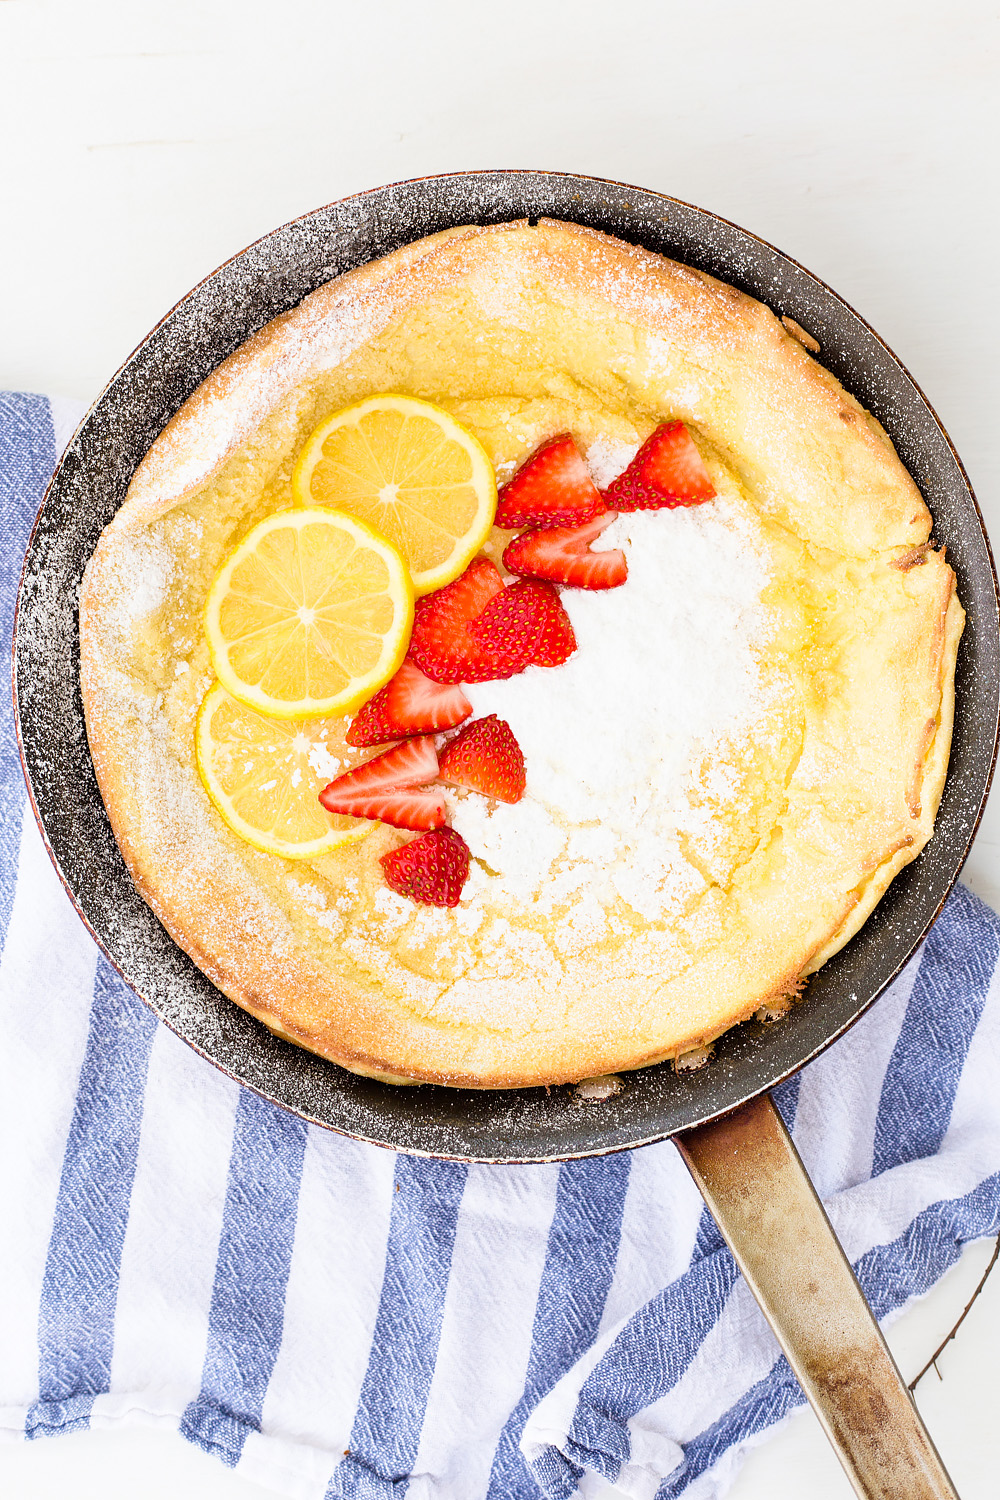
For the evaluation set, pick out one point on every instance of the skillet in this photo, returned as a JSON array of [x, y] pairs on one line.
[[273, 275]]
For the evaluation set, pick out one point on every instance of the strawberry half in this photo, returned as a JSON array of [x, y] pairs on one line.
[[410, 703], [667, 471], [525, 626], [441, 645], [382, 788], [431, 870], [410, 764], [406, 808], [562, 555], [486, 757], [551, 488]]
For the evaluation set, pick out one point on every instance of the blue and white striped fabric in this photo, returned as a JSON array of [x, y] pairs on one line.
[[335, 1321]]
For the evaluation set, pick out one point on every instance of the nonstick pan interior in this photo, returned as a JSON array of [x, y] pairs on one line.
[[273, 275]]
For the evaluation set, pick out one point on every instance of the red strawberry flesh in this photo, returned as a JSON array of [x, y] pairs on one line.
[[382, 788], [431, 870], [667, 471], [562, 555], [410, 703], [525, 626], [551, 488], [441, 644], [412, 763], [485, 757], [404, 808]]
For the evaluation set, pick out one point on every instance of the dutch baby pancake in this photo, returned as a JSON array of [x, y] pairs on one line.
[[647, 749]]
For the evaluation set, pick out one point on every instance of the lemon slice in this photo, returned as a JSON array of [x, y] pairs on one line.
[[310, 615], [408, 469], [265, 775]]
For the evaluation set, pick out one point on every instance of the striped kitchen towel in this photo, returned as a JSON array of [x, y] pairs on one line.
[[331, 1319]]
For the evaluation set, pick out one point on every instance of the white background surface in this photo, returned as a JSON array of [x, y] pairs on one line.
[[143, 143]]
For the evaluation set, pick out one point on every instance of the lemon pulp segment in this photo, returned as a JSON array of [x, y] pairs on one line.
[[310, 615], [411, 471], [264, 776]]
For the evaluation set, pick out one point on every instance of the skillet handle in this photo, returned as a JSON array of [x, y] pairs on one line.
[[753, 1180]]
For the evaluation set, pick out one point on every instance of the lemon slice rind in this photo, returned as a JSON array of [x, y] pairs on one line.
[[482, 480], [360, 686], [343, 830]]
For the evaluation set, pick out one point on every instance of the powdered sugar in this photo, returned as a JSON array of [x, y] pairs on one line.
[[323, 762], [144, 573], [520, 842], [667, 671], [607, 458]]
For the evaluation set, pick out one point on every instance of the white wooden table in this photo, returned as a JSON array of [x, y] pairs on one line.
[[143, 143]]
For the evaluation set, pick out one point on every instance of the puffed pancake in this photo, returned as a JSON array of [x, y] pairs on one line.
[[748, 743]]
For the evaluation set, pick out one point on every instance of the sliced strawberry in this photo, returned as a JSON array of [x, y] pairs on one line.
[[405, 808], [486, 757], [410, 703], [562, 555], [382, 788], [431, 870], [667, 471], [525, 626], [551, 488], [441, 645], [412, 763]]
